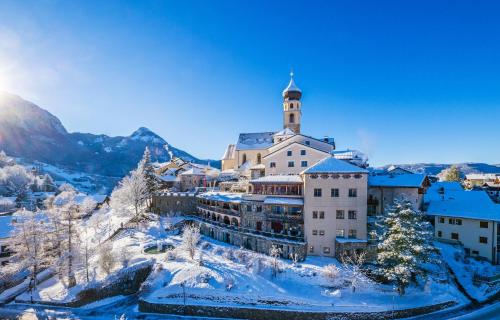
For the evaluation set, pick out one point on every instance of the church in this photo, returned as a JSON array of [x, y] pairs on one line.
[[293, 191]]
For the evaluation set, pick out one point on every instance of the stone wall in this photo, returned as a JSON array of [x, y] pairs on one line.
[[273, 314], [174, 202]]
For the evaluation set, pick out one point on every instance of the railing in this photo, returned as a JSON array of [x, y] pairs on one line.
[[248, 231], [285, 216], [219, 210]]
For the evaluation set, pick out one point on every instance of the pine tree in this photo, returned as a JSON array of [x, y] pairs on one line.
[[405, 244], [149, 175]]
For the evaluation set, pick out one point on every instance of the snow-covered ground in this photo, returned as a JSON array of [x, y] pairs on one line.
[[465, 268]]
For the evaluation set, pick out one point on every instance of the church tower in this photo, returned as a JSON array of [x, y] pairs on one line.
[[292, 106]]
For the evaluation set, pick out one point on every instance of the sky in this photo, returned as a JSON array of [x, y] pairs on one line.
[[402, 81]]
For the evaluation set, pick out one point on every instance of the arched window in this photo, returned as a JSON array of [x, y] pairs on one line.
[[291, 105], [259, 158], [292, 118], [244, 158]]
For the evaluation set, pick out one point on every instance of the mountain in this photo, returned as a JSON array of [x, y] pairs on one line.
[[34, 134], [435, 168]]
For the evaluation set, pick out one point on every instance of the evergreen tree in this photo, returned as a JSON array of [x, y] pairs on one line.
[[405, 243], [450, 174], [149, 175]]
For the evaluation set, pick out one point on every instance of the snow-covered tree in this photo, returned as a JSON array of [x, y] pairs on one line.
[[66, 187], [450, 174], [405, 243], [331, 272], [66, 242], [5, 160], [107, 259], [149, 175], [29, 246], [190, 239], [16, 180], [47, 184], [275, 253], [352, 265], [132, 192]]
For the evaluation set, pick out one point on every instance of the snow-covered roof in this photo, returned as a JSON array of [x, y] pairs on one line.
[[462, 204], [482, 176], [291, 87], [229, 153], [5, 226], [285, 132], [255, 141], [331, 164], [99, 198], [283, 200], [279, 178], [168, 178], [397, 180], [193, 172], [221, 196]]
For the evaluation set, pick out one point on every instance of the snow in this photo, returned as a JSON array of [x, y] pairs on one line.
[[221, 196], [279, 178], [255, 141], [348, 240], [193, 172], [5, 226], [291, 87], [450, 200], [108, 149], [229, 153], [284, 132], [287, 201], [330, 165], [260, 166], [464, 269], [397, 180]]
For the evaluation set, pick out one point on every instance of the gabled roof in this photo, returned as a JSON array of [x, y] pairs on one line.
[[287, 140], [461, 203], [255, 141], [332, 165], [295, 142], [193, 172], [397, 180]]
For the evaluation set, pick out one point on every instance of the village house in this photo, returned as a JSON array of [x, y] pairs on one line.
[[469, 218]]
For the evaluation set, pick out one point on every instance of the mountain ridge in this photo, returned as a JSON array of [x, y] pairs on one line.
[[30, 132]]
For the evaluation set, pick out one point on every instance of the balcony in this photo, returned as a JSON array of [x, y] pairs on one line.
[[272, 235], [220, 210]]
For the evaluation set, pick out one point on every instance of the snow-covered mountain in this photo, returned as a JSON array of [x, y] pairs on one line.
[[465, 168], [34, 134]]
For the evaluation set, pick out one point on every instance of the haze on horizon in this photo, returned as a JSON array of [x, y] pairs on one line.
[[405, 83]]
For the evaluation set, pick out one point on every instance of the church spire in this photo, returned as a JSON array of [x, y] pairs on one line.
[[292, 106], [292, 91]]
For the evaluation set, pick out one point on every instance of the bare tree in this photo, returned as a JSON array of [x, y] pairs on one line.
[[353, 264], [107, 259], [275, 254], [131, 192], [331, 272], [28, 244], [190, 239]]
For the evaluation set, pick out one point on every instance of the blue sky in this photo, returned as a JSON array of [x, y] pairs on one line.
[[404, 82]]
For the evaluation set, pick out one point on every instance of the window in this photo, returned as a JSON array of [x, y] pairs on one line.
[[291, 105], [352, 234], [272, 164], [311, 249], [441, 220], [340, 214], [244, 158], [315, 232], [321, 214], [335, 193], [440, 233], [475, 252], [321, 232], [454, 236], [291, 164], [317, 192], [292, 118], [340, 233], [326, 250], [307, 142], [259, 158], [483, 224], [302, 152], [455, 221], [289, 153], [303, 164], [353, 193], [352, 215], [483, 240], [315, 214]]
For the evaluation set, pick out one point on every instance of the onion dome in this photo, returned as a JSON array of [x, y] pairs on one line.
[[292, 92]]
